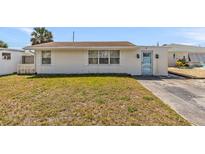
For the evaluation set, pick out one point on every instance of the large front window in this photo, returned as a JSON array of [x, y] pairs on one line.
[[104, 56], [114, 57], [93, 57], [46, 57]]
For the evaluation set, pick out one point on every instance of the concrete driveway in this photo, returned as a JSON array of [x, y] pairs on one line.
[[185, 96]]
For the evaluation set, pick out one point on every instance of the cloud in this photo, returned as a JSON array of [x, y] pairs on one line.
[[197, 34], [188, 43], [27, 30]]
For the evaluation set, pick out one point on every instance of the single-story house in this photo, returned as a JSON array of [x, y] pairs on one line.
[[195, 55], [99, 57], [9, 60]]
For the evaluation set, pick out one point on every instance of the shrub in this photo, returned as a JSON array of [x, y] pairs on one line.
[[182, 63]]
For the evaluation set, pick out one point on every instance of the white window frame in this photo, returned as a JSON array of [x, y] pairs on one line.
[[108, 53], [42, 57], [114, 57], [3, 57], [93, 57]]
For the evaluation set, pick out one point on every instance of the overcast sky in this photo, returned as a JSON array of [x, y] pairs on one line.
[[20, 37]]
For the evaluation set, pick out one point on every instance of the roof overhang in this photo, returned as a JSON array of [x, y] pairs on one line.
[[92, 47]]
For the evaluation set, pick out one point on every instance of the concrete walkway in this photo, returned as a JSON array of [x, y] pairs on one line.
[[185, 96]]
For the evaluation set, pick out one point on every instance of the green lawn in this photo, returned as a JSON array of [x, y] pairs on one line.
[[81, 100]]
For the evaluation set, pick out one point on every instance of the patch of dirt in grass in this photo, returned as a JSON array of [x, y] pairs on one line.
[[100, 101], [125, 98], [148, 98]]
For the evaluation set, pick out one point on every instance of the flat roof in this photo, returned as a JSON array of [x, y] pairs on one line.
[[182, 45], [8, 49], [185, 48], [143, 46]]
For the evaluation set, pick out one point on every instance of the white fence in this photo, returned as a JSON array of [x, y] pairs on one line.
[[26, 69]]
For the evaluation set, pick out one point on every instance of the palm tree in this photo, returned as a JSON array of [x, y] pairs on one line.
[[41, 35], [3, 44]]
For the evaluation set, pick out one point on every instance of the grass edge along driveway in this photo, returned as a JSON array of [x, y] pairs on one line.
[[81, 100]]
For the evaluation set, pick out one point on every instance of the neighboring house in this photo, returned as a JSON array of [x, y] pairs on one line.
[[9, 60], [99, 57], [193, 54]]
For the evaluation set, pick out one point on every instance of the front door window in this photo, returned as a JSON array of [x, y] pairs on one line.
[[147, 63]]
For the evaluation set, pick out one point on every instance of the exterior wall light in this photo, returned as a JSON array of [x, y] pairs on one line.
[[174, 56], [138, 56], [157, 56]]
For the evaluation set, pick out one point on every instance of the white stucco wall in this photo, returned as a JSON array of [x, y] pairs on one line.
[[75, 61], [9, 66]]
